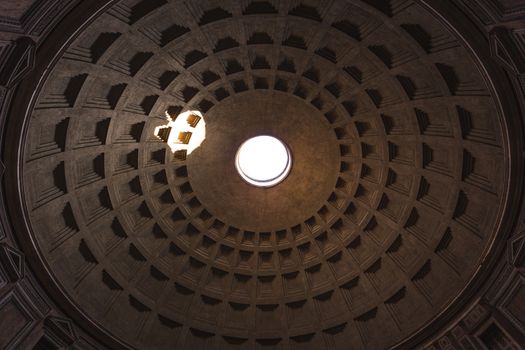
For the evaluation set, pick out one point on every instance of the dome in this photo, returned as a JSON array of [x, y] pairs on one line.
[[393, 203]]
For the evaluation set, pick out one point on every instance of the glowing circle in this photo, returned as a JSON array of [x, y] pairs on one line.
[[263, 161]]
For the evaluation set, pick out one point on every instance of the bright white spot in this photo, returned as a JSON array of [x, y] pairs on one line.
[[263, 161], [185, 132]]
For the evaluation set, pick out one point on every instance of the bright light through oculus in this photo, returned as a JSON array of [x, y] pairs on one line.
[[263, 161]]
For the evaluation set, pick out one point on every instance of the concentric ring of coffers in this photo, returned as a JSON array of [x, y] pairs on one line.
[[115, 214]]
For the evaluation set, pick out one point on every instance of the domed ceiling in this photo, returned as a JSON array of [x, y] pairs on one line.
[[398, 185]]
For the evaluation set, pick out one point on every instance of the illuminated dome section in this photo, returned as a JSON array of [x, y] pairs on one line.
[[184, 133], [263, 161]]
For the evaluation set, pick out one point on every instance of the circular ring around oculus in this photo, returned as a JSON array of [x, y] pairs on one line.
[[263, 161]]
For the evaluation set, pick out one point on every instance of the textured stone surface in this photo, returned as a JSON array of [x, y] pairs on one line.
[[14, 9]]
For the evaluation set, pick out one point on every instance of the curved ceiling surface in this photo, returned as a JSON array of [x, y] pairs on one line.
[[394, 197]]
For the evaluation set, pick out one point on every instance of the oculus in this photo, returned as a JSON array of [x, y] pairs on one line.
[[263, 161]]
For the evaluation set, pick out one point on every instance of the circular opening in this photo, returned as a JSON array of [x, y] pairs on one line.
[[263, 161]]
